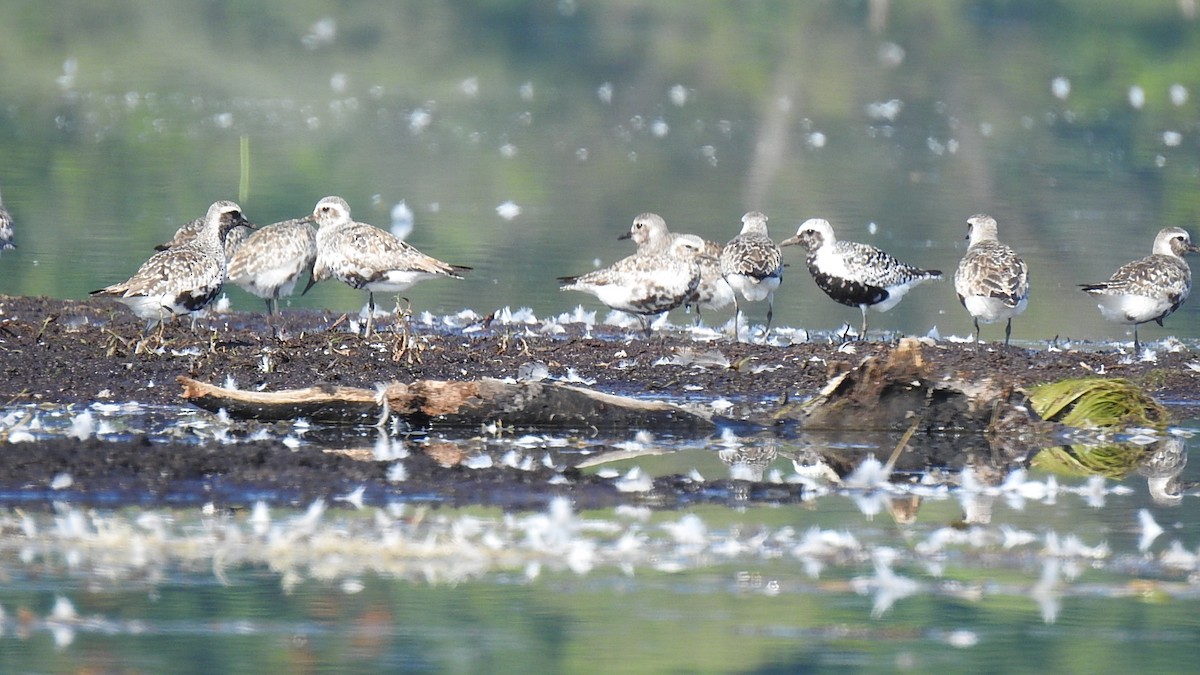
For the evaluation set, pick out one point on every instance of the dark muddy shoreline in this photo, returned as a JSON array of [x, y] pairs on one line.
[[76, 353]]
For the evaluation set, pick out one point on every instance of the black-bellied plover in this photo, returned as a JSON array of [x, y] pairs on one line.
[[645, 284], [854, 274], [270, 261], [992, 283], [6, 229], [1151, 288], [183, 278], [190, 229], [752, 265], [368, 258], [649, 231]]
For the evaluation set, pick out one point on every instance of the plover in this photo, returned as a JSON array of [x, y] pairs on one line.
[[366, 257], [190, 229], [649, 231], [184, 278], [272, 258], [752, 265], [854, 274], [646, 284], [992, 283], [6, 228], [1149, 289]]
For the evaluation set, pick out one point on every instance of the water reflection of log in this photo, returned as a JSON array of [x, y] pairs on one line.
[[470, 403]]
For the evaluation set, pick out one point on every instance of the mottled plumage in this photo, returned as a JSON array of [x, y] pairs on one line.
[[646, 283], [649, 231], [1151, 288], [366, 257], [188, 231], [6, 229], [992, 283], [752, 265], [270, 261], [184, 278], [854, 274]]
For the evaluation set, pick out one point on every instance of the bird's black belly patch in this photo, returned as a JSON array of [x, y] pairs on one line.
[[848, 292], [194, 300]]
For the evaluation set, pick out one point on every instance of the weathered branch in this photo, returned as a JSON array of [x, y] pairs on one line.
[[470, 403], [895, 393], [324, 404]]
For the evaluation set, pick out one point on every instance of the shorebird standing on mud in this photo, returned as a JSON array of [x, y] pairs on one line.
[[1151, 288], [646, 284], [649, 231], [854, 274], [270, 261], [366, 257], [991, 282], [752, 265], [184, 278]]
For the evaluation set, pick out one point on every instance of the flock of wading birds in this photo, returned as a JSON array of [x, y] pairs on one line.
[[668, 270]]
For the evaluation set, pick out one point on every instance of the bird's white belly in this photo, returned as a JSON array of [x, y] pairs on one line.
[[895, 294], [989, 310], [396, 281], [753, 289], [153, 307], [616, 296], [264, 284], [1129, 308]]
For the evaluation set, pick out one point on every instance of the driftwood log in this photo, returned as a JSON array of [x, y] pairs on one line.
[[470, 403], [895, 393]]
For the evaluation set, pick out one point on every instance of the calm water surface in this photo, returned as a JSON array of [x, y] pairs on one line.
[[1076, 128], [884, 133], [1053, 565]]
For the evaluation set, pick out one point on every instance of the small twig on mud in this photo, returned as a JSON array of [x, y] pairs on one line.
[[49, 320], [14, 399], [741, 363], [340, 320], [144, 345], [110, 349]]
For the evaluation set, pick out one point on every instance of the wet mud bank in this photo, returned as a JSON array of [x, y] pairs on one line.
[[76, 354]]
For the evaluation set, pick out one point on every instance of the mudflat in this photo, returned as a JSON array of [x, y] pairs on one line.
[[77, 353]]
